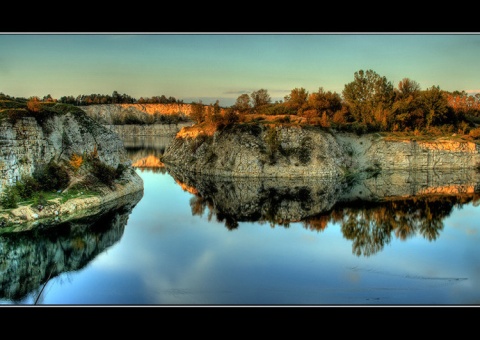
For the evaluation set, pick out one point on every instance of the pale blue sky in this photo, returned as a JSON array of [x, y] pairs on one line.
[[208, 67]]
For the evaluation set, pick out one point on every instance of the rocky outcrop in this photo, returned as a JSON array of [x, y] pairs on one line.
[[293, 151], [26, 144], [372, 150], [29, 142], [257, 151]]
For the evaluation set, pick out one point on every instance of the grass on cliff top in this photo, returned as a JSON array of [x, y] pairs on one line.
[[14, 110]]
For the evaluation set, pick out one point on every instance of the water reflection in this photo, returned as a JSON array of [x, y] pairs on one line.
[[145, 151], [28, 260], [198, 240], [371, 211]]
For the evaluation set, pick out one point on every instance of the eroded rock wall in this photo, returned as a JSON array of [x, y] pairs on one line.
[[106, 112], [258, 152], [26, 144], [295, 151]]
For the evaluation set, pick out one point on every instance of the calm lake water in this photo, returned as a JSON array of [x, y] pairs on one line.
[[192, 240]]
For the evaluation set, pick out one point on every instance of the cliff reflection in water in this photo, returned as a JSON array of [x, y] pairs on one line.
[[145, 151], [370, 211], [29, 259]]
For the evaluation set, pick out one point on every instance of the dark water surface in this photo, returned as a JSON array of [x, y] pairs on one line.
[[397, 239]]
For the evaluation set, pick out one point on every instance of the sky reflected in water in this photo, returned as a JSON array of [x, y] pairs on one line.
[[168, 256]]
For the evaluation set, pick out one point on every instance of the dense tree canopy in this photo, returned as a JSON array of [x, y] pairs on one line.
[[367, 95], [260, 98]]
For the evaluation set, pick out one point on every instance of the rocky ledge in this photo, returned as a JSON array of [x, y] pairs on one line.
[[27, 217], [246, 150]]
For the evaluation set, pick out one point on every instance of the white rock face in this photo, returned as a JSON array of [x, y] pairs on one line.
[[295, 151], [26, 144]]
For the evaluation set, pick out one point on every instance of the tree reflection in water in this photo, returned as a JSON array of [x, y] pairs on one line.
[[370, 226], [370, 223]]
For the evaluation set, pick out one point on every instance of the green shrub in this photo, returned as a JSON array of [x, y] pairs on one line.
[[104, 172], [305, 150], [39, 199], [120, 170], [27, 187], [51, 176], [271, 139], [9, 198]]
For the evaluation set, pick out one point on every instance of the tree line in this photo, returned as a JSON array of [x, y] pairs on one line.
[[370, 103], [116, 98]]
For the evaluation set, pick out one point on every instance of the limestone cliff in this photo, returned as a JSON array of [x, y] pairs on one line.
[[31, 140], [108, 110], [105, 113], [294, 151]]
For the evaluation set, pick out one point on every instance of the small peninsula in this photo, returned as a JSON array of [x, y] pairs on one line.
[[58, 164]]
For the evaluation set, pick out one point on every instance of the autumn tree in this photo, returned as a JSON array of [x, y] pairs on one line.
[[434, 104], [407, 88], [325, 102], [217, 111], [76, 161], [48, 98], [231, 117], [405, 114], [297, 100], [198, 112], [367, 94], [34, 104], [260, 99], [464, 104], [242, 104]]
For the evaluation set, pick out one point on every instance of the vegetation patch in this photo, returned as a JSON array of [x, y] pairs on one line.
[[273, 144], [305, 150]]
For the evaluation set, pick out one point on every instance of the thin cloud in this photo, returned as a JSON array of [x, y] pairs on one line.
[[237, 92], [473, 91], [250, 91]]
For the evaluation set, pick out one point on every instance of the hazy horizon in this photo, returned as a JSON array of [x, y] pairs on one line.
[[210, 67]]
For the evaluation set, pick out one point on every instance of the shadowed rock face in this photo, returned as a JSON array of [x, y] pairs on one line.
[[370, 210], [29, 259]]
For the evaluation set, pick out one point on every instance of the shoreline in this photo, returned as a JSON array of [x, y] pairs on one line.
[[26, 217]]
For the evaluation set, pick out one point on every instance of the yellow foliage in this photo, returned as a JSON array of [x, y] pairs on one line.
[[34, 104], [475, 133], [76, 161]]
